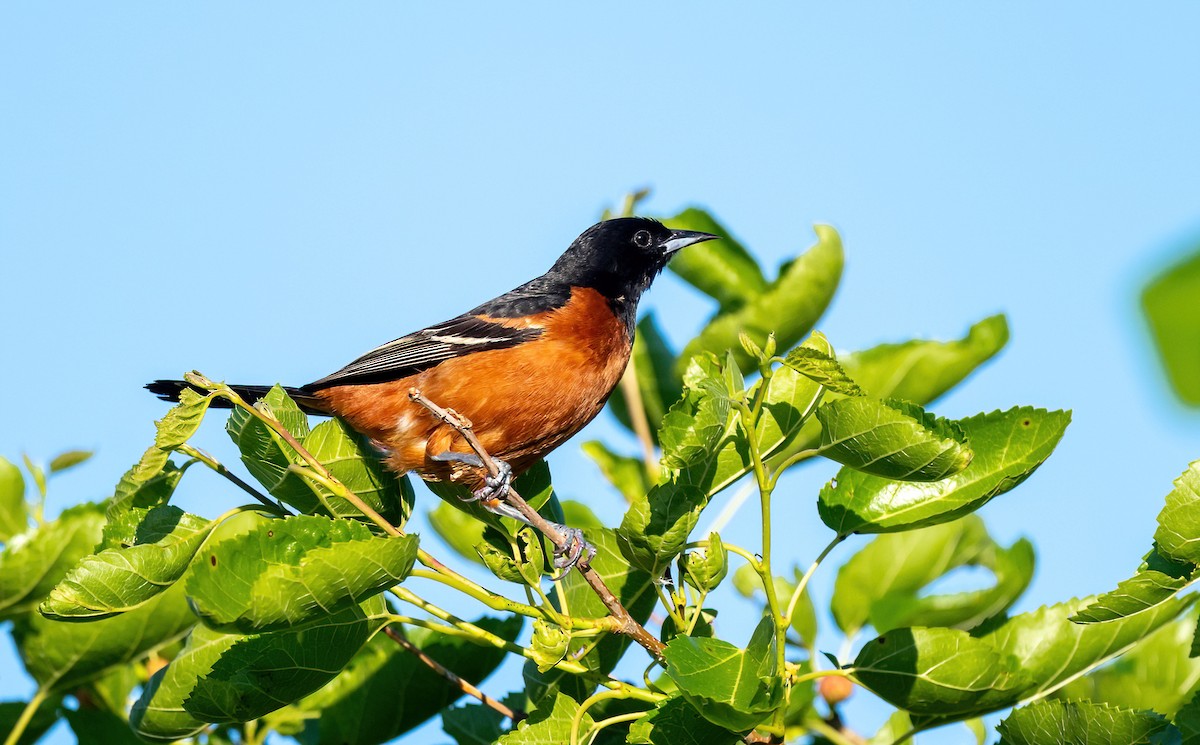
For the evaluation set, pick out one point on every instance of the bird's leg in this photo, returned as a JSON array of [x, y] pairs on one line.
[[494, 496]]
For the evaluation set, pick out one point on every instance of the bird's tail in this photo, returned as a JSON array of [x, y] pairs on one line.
[[169, 390]]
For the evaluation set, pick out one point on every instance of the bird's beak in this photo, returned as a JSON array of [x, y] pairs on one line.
[[684, 238]]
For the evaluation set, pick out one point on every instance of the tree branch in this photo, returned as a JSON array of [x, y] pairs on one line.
[[627, 624]]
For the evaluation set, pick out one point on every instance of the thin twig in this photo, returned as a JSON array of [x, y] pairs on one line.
[[627, 624], [397, 636], [637, 418], [219, 467]]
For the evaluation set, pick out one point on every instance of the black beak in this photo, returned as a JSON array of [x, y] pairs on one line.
[[684, 238]]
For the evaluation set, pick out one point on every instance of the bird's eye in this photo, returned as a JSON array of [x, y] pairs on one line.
[[641, 239]]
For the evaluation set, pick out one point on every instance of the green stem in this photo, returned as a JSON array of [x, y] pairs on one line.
[[598, 726], [26, 715], [839, 672], [671, 610], [275, 507], [588, 703], [791, 607], [829, 733]]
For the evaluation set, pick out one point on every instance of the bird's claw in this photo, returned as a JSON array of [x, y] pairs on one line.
[[574, 548], [494, 488]]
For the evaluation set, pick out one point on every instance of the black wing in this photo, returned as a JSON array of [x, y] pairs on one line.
[[422, 350]]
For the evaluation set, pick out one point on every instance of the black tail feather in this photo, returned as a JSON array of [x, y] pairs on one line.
[[169, 390]]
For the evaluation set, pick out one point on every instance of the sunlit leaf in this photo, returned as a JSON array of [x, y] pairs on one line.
[[1158, 579], [676, 722], [731, 687], [69, 459], [233, 678], [289, 572], [34, 562], [882, 584], [939, 672], [14, 519], [1178, 534], [1008, 447], [550, 724], [156, 550], [789, 307], [1169, 302], [891, 438], [722, 269], [815, 364], [1080, 723]]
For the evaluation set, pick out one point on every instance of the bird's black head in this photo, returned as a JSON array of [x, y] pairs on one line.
[[621, 257]]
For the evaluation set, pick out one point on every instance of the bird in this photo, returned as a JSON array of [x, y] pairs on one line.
[[528, 368]]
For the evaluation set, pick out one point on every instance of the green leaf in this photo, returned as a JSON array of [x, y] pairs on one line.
[[706, 570], [676, 722], [1187, 720], [62, 655], [289, 572], [1053, 650], [896, 726], [232, 678], [473, 724], [548, 645], [939, 672], [1156, 674], [722, 269], [549, 725], [1157, 580], [45, 717], [350, 459], [149, 483], [1178, 534], [268, 457], [696, 422], [882, 583], [1008, 446], [69, 459], [921, 370], [653, 363], [34, 562], [1169, 302], [789, 307], [731, 687], [359, 706], [39, 476], [182, 420], [459, 530], [156, 550], [818, 365], [893, 439], [99, 727], [626, 473], [1080, 723], [14, 519]]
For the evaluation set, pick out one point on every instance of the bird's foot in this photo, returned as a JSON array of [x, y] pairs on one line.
[[495, 488], [573, 549]]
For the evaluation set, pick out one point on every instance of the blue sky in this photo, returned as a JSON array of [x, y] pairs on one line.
[[264, 191]]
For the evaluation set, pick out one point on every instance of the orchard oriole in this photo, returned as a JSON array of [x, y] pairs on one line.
[[529, 368]]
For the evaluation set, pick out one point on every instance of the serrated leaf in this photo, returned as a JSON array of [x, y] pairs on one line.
[[626, 473], [144, 486], [939, 672], [233, 678], [921, 370], [1187, 719], [548, 645], [676, 722], [1157, 580], [34, 562], [893, 439], [821, 367], [155, 553], [289, 572], [722, 269], [1053, 650], [731, 687], [1169, 302], [882, 584], [181, 420], [694, 425], [359, 706], [789, 307], [706, 570], [14, 518], [549, 725], [653, 363], [1178, 533], [1008, 447], [69, 459], [349, 458], [1080, 723], [62, 655], [268, 457], [1155, 674]]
